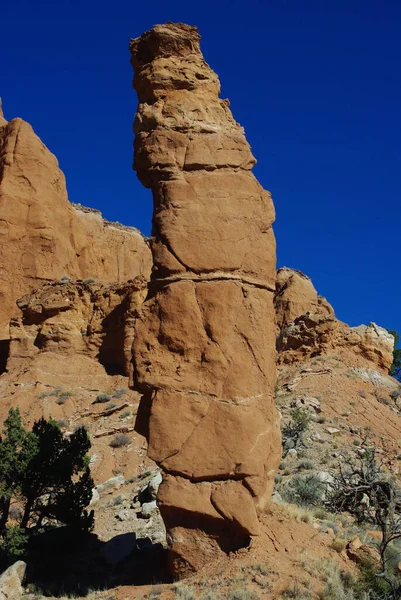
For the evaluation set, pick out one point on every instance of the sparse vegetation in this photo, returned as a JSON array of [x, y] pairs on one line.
[[63, 397], [243, 593], [363, 489], [304, 490], [306, 465], [294, 431], [60, 395], [88, 280], [295, 591], [184, 592], [119, 440], [102, 399], [210, 596]]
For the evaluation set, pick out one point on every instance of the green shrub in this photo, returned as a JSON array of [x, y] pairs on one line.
[[14, 542], [304, 490], [320, 513], [88, 280], [47, 474], [293, 432]]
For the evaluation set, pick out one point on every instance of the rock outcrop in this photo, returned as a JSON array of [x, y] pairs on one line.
[[43, 236], [307, 327], [78, 318], [295, 295], [313, 334], [204, 354]]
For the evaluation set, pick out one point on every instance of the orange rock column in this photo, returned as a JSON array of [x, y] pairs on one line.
[[204, 353]]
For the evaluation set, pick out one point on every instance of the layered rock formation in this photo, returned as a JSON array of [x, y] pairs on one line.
[[76, 318], [295, 295], [308, 327], [42, 236], [204, 353], [313, 334]]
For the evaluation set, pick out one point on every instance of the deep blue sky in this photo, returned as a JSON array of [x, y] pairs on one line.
[[315, 83]]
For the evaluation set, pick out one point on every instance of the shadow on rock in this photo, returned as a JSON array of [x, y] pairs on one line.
[[66, 563]]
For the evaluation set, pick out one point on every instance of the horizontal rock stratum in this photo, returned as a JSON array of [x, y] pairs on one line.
[[204, 352]]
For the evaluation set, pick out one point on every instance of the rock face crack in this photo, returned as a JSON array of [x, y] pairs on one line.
[[204, 348]]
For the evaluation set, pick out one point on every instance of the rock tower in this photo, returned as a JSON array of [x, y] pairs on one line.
[[204, 352]]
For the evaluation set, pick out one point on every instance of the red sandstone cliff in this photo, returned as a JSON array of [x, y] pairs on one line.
[[42, 236]]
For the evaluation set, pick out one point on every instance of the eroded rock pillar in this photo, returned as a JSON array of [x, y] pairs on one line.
[[204, 353]]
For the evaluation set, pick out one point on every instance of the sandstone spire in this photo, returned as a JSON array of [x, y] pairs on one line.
[[204, 353]]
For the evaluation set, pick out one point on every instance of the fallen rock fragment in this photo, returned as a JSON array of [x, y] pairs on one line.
[[109, 486], [11, 581], [148, 508]]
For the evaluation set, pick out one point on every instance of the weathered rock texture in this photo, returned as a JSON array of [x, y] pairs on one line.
[[42, 236], [307, 327], [295, 295], [75, 318], [314, 334], [204, 353]]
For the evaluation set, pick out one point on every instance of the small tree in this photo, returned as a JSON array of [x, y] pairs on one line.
[[44, 474], [293, 432], [395, 369], [363, 489]]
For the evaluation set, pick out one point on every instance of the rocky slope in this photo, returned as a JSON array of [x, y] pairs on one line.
[[204, 340], [55, 369], [43, 237]]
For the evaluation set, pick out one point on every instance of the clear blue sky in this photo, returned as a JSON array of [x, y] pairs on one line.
[[315, 83]]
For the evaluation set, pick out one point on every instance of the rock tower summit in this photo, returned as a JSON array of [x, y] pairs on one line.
[[204, 352]]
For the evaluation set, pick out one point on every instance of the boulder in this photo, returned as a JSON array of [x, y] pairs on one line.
[[11, 581], [154, 484], [148, 508], [118, 548], [109, 486]]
